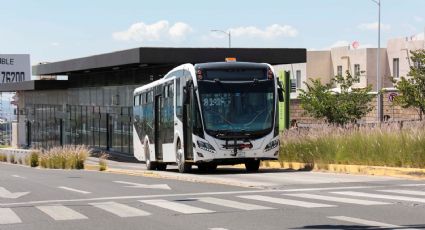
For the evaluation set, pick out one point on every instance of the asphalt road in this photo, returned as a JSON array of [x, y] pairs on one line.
[[42, 199]]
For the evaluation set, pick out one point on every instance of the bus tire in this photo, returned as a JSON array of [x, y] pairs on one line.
[[252, 166], [149, 164], [181, 163]]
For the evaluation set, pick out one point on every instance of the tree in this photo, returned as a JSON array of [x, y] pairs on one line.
[[412, 88], [339, 106]]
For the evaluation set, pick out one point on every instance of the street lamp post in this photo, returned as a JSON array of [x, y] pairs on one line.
[[380, 109], [229, 35]]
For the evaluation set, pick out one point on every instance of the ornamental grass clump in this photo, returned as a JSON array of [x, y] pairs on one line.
[[394, 145], [103, 162], [33, 158], [3, 157], [66, 157]]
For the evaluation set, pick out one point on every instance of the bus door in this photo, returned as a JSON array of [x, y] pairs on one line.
[[157, 127], [189, 95]]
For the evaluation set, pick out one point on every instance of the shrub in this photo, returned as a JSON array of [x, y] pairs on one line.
[[67, 157], [102, 162], [33, 159], [20, 161], [388, 145], [3, 158], [12, 159]]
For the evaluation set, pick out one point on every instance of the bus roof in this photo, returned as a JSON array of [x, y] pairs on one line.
[[231, 65]]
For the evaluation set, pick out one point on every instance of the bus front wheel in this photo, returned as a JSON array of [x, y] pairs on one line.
[[252, 166], [149, 164], [183, 166]]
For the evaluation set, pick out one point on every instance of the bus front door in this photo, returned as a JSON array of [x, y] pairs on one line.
[[188, 120], [157, 128]]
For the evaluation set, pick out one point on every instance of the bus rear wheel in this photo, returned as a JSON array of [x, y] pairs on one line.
[[252, 166], [182, 165]]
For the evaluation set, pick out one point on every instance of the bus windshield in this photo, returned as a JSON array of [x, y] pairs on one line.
[[244, 108]]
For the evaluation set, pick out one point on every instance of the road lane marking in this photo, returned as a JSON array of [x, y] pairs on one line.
[[337, 199], [149, 196], [406, 192], [120, 210], [7, 216], [367, 222], [137, 185], [175, 206], [389, 197], [74, 190], [287, 201], [231, 203], [326, 189], [4, 193], [218, 229], [17, 176], [60, 212], [412, 185]]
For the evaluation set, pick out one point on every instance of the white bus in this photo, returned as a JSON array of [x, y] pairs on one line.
[[208, 114]]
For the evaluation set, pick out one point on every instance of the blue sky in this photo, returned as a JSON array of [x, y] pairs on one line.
[[53, 30]]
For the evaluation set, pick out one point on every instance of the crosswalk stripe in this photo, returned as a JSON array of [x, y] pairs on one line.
[[74, 190], [337, 199], [7, 216], [407, 192], [175, 206], [120, 210], [231, 203], [286, 201], [379, 196], [60, 212], [367, 222]]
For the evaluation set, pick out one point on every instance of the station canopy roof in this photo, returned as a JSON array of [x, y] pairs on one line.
[[152, 56]]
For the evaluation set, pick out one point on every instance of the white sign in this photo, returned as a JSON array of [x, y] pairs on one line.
[[14, 68]]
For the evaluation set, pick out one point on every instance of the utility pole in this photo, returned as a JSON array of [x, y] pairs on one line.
[[229, 35], [379, 96]]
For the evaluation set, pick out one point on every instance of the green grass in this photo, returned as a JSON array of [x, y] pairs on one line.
[[388, 145]]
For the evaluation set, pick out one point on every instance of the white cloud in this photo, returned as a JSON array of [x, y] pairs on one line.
[[160, 30], [419, 19], [270, 32], [373, 26], [55, 44]]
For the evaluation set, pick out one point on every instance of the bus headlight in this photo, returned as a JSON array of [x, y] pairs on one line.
[[273, 144], [205, 146]]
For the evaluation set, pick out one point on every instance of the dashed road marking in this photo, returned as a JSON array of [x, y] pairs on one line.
[[7, 216], [406, 192], [74, 190], [231, 203], [60, 212], [120, 210], [177, 207], [337, 199], [379, 196], [298, 203], [368, 222]]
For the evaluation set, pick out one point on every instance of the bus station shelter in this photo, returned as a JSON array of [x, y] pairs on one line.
[[93, 106]]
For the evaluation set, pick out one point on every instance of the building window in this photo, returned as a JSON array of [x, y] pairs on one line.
[[396, 68], [356, 70], [339, 70], [298, 76]]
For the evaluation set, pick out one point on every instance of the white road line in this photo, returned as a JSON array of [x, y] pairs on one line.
[[7, 216], [286, 201], [337, 199], [150, 196], [367, 222], [412, 185], [17, 176], [60, 212], [218, 229], [389, 197], [231, 203], [120, 210], [407, 192], [325, 189], [74, 190], [175, 206]]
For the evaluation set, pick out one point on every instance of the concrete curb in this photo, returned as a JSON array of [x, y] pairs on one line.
[[411, 173]]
